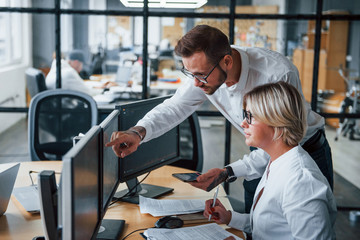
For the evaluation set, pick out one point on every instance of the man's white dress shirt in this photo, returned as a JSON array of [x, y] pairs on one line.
[[296, 203], [258, 66], [70, 79]]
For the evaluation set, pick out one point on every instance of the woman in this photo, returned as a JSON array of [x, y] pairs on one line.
[[293, 199]]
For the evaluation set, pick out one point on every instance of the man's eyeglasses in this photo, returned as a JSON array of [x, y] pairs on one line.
[[247, 115], [198, 77]]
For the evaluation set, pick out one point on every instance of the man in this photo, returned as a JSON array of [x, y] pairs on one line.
[[223, 74], [77, 61], [70, 71]]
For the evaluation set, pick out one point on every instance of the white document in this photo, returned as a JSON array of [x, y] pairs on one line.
[[207, 232], [167, 207], [106, 98], [93, 84]]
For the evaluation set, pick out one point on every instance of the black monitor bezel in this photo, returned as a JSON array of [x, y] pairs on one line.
[[67, 190], [125, 177], [104, 124]]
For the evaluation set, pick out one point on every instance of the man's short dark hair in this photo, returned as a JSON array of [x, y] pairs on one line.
[[77, 54], [204, 38]]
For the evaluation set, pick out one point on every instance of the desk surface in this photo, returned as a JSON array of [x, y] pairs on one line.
[[158, 87], [16, 223]]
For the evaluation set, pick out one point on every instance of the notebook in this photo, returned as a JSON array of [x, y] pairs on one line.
[[8, 173], [28, 197]]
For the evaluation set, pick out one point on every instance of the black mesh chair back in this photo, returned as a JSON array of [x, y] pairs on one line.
[[191, 149], [55, 118], [97, 63], [35, 81]]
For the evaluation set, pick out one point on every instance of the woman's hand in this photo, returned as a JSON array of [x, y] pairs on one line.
[[218, 213]]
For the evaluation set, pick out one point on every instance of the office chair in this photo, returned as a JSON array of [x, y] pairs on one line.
[[96, 66], [191, 150], [35, 81], [55, 117]]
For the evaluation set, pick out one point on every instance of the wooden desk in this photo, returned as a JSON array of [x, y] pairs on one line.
[[18, 224], [160, 88]]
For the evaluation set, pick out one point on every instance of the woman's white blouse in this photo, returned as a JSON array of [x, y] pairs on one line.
[[297, 202]]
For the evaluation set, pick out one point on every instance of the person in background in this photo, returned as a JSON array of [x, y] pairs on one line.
[[70, 74], [293, 199], [222, 74], [77, 61]]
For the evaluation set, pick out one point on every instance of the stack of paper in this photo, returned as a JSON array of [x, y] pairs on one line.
[[105, 98], [168, 207], [203, 232]]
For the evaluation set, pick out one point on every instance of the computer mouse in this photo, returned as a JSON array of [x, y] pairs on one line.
[[169, 222]]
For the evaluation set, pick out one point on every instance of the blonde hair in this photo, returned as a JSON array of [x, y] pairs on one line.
[[280, 106]]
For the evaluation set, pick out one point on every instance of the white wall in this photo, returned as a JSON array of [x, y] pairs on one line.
[[12, 80]]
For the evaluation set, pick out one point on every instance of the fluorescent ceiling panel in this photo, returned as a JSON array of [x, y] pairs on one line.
[[165, 3]]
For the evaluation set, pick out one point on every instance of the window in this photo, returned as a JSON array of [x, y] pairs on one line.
[[11, 34]]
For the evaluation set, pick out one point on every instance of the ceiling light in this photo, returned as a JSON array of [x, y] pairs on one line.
[[165, 3]]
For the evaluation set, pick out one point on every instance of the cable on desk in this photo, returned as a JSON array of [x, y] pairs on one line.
[[32, 181], [141, 229], [119, 198]]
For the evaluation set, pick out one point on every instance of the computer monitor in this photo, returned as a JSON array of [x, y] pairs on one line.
[[123, 75], [110, 171], [81, 215], [149, 156], [81, 192]]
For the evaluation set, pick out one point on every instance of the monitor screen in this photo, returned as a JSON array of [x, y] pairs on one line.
[[110, 171], [123, 75], [81, 187], [150, 155]]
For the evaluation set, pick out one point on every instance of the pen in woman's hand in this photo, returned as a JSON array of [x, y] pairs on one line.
[[214, 199]]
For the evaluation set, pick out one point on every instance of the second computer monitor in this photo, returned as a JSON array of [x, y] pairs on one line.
[[88, 181], [149, 155], [110, 166], [80, 188]]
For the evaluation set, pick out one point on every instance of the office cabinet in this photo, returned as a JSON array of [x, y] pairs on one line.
[[307, 72], [333, 50]]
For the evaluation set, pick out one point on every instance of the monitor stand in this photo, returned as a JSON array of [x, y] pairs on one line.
[[145, 190], [110, 229]]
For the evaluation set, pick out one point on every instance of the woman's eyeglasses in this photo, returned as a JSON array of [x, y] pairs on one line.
[[247, 115]]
